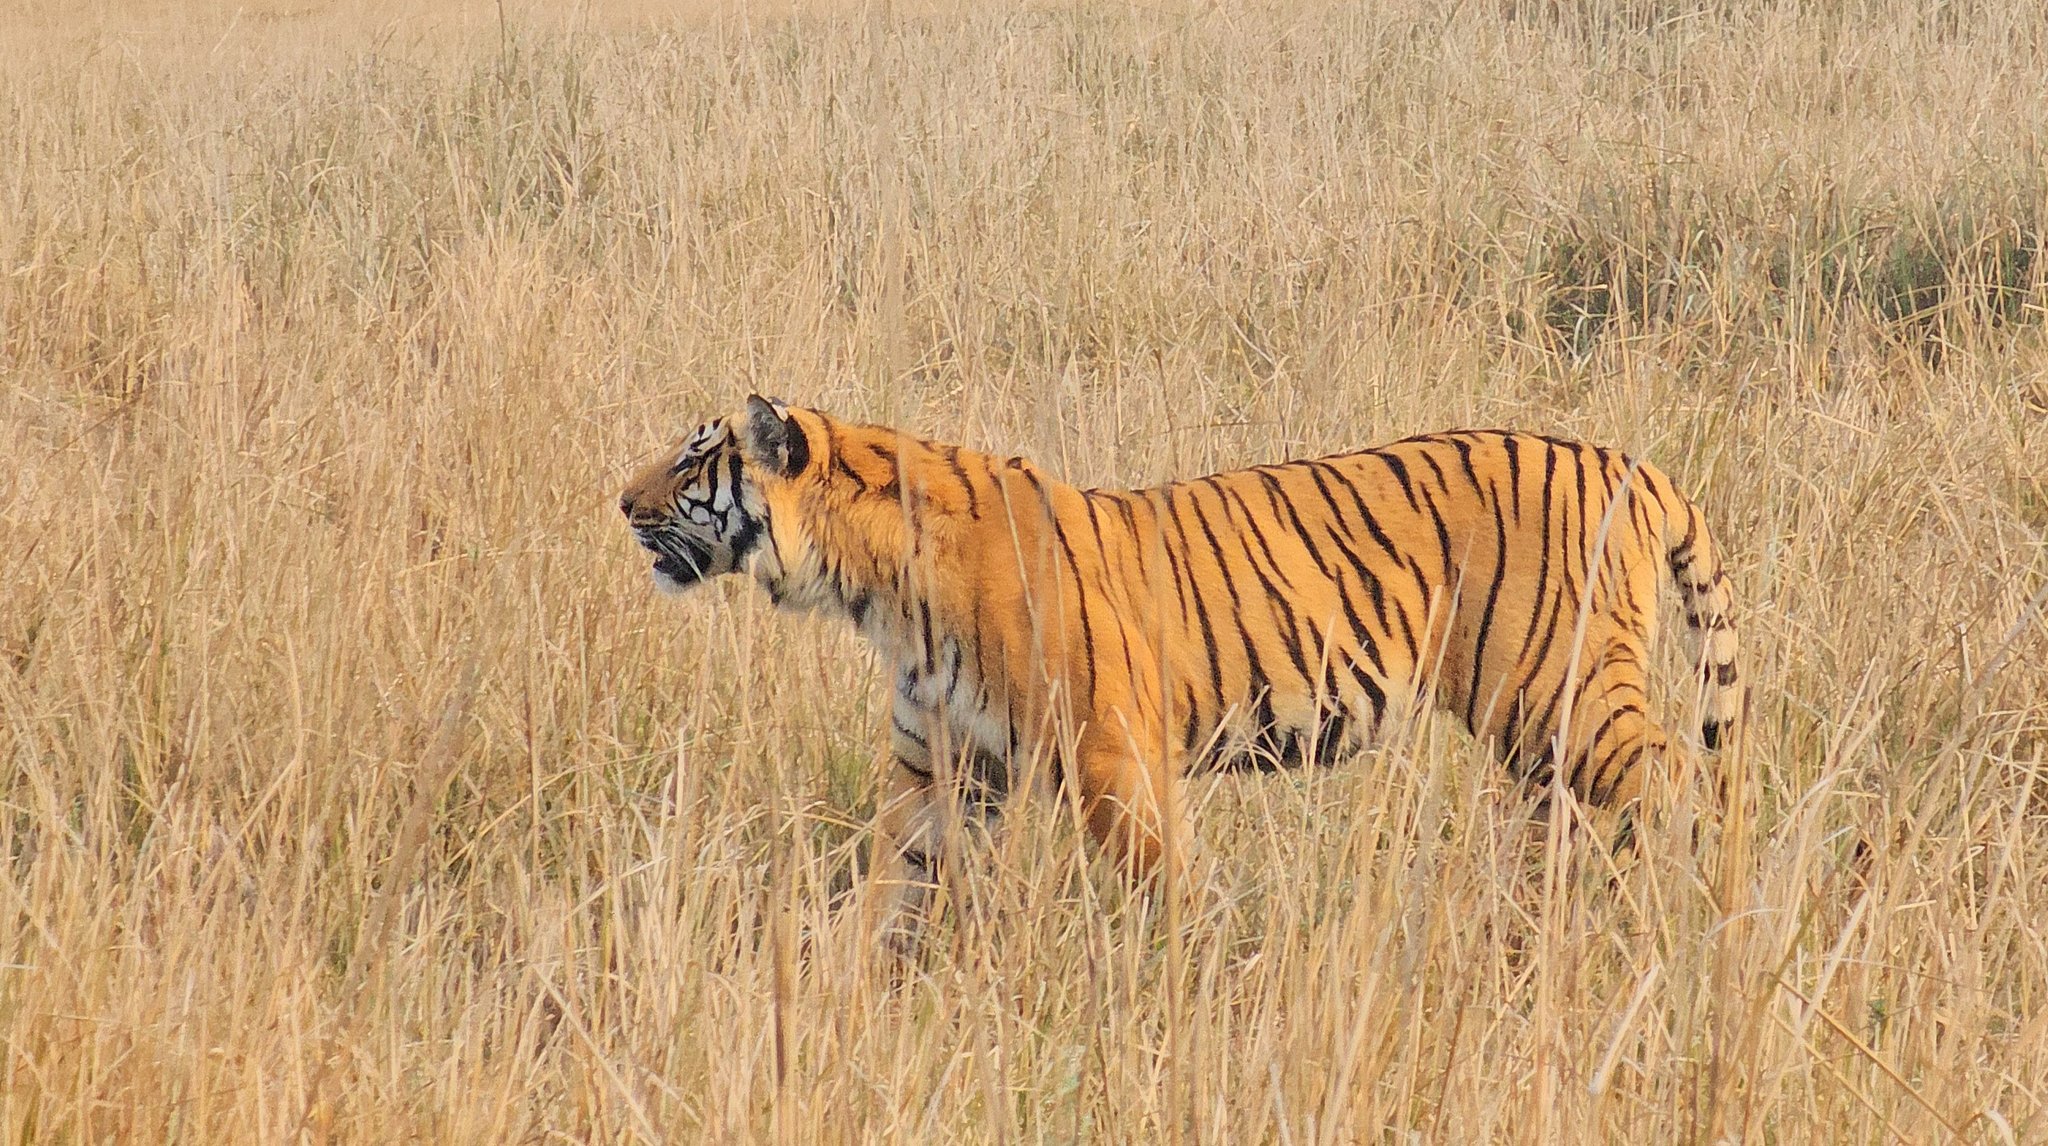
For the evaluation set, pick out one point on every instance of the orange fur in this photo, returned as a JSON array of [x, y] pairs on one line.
[[1254, 618]]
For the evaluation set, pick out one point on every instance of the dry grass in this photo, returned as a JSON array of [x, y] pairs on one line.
[[354, 785]]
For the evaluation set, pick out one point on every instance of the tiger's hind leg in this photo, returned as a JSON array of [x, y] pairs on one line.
[[1612, 737], [1609, 772], [1606, 787]]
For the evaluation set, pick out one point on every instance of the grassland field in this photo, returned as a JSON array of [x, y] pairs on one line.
[[356, 787]]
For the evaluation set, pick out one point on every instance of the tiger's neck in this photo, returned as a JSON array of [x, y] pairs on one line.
[[866, 564], [915, 543]]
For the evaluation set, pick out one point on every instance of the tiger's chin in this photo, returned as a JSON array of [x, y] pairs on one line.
[[674, 578]]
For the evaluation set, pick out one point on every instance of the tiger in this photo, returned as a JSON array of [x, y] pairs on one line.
[[1260, 618]]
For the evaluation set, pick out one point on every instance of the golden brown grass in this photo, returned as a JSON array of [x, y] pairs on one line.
[[354, 785]]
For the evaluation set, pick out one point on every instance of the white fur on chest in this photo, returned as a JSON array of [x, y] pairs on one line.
[[943, 688]]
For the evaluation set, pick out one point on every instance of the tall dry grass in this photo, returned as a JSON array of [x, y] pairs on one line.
[[356, 787]]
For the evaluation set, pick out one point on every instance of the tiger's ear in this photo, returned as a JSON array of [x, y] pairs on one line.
[[774, 441]]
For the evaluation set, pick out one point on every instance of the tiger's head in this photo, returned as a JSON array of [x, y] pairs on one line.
[[705, 510]]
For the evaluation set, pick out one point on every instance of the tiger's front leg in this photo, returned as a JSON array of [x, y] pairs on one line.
[[933, 789], [1131, 802], [906, 847]]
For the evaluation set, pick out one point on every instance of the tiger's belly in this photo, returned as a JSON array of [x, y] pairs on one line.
[[1250, 746], [1273, 732]]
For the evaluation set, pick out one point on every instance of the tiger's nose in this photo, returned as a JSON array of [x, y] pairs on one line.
[[626, 505]]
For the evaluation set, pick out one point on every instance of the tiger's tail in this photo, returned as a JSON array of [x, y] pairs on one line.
[[1709, 600]]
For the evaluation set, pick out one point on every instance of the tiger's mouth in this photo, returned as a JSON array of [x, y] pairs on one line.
[[675, 571], [678, 564]]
